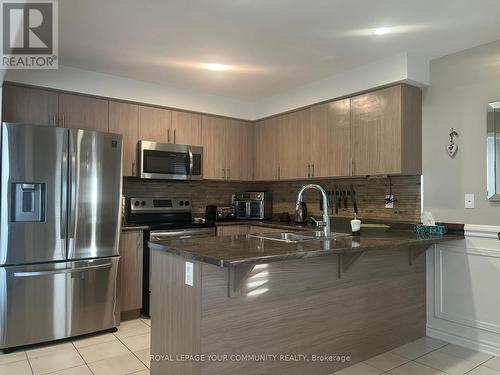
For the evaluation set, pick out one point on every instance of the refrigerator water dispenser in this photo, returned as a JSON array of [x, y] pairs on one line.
[[28, 202]]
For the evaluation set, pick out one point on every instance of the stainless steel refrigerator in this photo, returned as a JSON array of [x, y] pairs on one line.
[[60, 225]]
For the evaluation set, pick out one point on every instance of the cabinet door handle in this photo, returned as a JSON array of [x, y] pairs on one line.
[[138, 248], [308, 170], [174, 136], [224, 173], [133, 168], [168, 135], [63, 120], [353, 172], [312, 173], [279, 173]]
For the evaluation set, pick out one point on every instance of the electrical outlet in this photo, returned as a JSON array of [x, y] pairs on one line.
[[389, 201], [469, 200], [189, 274]]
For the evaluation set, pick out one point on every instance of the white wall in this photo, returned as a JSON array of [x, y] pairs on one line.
[[461, 86], [84, 81], [463, 305], [399, 68]]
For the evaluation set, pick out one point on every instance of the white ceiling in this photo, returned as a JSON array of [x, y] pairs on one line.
[[274, 45]]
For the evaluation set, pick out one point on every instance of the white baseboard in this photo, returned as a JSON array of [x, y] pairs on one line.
[[471, 343]]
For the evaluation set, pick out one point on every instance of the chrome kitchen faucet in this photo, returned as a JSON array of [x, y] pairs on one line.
[[325, 224]]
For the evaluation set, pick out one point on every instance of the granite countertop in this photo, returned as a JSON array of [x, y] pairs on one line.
[[228, 251], [339, 224]]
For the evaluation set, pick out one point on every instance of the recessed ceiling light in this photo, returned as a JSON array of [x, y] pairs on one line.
[[216, 67], [382, 30]]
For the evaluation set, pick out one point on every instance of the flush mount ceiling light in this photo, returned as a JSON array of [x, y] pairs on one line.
[[215, 67], [382, 30]]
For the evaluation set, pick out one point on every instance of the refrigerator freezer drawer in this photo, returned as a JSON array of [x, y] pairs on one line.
[[52, 301]]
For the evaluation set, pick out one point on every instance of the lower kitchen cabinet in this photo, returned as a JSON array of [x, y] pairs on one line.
[[130, 271]]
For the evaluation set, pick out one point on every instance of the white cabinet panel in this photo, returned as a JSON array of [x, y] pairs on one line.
[[466, 291]]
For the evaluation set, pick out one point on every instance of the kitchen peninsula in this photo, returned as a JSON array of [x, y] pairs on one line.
[[258, 306]]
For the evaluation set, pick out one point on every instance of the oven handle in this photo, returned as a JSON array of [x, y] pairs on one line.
[[179, 234]]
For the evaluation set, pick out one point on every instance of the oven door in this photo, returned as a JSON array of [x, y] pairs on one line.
[[170, 162]]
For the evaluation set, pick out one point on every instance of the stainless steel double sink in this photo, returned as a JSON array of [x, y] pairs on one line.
[[294, 237]]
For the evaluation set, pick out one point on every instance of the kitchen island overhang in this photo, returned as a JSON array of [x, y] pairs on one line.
[[261, 307]]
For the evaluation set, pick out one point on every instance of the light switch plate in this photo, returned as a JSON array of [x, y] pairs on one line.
[[469, 200], [189, 274]]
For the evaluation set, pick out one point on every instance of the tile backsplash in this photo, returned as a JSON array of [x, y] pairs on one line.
[[370, 194]]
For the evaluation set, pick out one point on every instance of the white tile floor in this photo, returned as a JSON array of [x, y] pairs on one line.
[[123, 352], [427, 356], [127, 352]]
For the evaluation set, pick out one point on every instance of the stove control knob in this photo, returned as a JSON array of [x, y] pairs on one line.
[[186, 203], [181, 203], [136, 203], [143, 203]]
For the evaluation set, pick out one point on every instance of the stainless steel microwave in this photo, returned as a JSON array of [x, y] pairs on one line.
[[170, 162]]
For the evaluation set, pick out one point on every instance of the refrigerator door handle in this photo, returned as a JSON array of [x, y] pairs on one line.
[[64, 190], [73, 187], [62, 270]]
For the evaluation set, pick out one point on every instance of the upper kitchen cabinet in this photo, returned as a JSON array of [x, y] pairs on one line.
[[29, 106], [386, 131], [266, 149], [154, 124], [239, 156], [329, 148], [213, 140], [227, 149], [282, 147], [294, 145], [83, 112], [185, 128], [124, 119]]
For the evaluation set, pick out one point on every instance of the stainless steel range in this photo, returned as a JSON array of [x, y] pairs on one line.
[[167, 218], [60, 225]]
